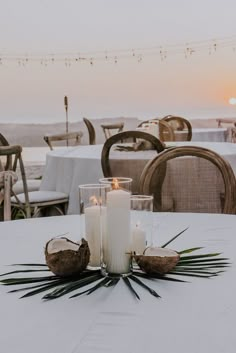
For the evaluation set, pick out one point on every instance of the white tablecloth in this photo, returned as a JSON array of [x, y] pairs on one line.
[[67, 168], [210, 134], [197, 316], [205, 134]]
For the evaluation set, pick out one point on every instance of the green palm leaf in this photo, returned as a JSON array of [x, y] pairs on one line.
[[127, 282], [150, 290], [43, 288], [187, 251], [21, 271], [72, 286], [172, 239], [202, 265]]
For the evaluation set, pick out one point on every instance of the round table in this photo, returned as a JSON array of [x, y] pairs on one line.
[[205, 134], [68, 168], [196, 316]]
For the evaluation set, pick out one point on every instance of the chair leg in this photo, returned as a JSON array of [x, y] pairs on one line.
[[7, 197], [46, 211], [16, 211]]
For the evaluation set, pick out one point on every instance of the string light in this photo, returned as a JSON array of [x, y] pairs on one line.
[[187, 49]]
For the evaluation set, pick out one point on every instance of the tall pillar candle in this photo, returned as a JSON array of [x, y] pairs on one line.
[[118, 232]]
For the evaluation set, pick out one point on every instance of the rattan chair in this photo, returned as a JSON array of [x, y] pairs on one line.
[[91, 131], [111, 129], [166, 133], [67, 137], [31, 203], [181, 126], [190, 179], [116, 166]]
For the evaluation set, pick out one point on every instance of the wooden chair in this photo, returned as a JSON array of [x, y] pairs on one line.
[[31, 203], [230, 124], [7, 179], [166, 133], [91, 131], [3, 141], [226, 121], [33, 184], [181, 127], [190, 179], [116, 167], [111, 129], [75, 136]]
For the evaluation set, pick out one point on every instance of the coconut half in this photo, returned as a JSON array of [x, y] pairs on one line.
[[157, 260], [65, 257]]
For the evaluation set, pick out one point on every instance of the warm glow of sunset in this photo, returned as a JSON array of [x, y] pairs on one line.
[[114, 68], [232, 101]]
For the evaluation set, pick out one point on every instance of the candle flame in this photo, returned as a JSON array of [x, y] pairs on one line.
[[93, 200], [115, 184]]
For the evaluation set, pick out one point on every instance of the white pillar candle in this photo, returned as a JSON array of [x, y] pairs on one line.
[[138, 240], [94, 219], [118, 231]]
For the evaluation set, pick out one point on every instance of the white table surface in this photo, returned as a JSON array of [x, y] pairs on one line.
[[34, 159], [68, 168], [198, 316]]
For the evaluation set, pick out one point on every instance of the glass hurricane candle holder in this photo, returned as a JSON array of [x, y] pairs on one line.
[[117, 242], [92, 200], [141, 222]]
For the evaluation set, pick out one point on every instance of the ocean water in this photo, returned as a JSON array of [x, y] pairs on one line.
[[189, 113]]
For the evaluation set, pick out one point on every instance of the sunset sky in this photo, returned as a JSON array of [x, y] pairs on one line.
[[197, 86]]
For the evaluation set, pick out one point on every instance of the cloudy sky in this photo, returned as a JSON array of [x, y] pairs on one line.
[[122, 39]]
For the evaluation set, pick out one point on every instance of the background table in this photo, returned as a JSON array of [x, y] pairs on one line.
[[205, 134], [190, 317], [67, 168]]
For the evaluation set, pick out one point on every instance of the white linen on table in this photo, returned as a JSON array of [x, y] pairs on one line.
[[210, 134], [190, 317], [205, 134]]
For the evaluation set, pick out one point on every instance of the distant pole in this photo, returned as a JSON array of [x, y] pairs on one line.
[[66, 108]]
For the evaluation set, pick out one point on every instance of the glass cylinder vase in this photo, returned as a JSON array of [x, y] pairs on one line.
[[141, 222], [92, 199]]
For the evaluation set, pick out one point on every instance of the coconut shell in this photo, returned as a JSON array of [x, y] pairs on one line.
[[69, 262], [160, 263]]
